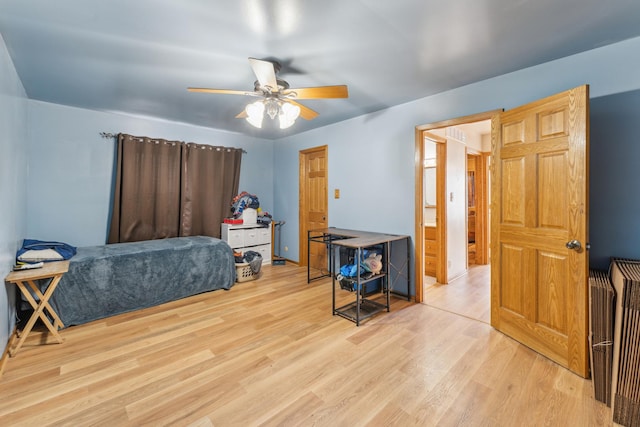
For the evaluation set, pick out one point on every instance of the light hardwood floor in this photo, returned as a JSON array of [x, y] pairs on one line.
[[269, 352], [468, 295]]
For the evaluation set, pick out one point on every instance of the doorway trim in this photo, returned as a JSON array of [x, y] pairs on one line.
[[441, 206], [418, 159]]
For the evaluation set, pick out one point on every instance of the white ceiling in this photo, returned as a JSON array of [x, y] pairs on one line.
[[139, 56]]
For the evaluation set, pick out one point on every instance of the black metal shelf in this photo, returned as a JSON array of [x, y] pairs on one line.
[[368, 308], [363, 307], [396, 271], [359, 283]]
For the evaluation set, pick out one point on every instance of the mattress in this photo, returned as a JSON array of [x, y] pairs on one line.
[[112, 279]]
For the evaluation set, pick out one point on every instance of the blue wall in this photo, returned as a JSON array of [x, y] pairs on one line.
[[71, 167], [615, 178], [13, 181], [371, 157]]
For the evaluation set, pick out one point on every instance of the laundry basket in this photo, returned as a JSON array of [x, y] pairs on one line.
[[246, 271]]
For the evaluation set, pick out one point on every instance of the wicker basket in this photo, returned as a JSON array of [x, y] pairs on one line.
[[244, 272]]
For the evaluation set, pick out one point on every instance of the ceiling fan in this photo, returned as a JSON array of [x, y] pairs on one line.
[[278, 98]]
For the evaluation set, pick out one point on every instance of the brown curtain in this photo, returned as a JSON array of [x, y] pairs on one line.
[[169, 189], [211, 177]]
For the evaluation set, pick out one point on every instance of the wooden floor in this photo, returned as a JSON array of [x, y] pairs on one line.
[[269, 352], [468, 295]]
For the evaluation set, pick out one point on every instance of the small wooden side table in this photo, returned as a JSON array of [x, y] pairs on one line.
[[53, 271]]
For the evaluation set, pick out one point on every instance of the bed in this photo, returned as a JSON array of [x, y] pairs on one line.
[[106, 280]]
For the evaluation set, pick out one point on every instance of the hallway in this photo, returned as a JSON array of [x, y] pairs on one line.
[[468, 295]]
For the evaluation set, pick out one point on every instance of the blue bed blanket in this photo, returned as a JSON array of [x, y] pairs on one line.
[[111, 279]]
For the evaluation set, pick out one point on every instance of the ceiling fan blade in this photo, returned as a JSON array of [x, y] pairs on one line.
[[242, 115], [318, 92], [265, 72], [223, 91], [305, 112]]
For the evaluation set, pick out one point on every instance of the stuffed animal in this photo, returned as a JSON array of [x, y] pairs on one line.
[[373, 263]]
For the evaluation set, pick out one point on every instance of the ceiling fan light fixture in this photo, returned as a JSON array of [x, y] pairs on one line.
[[288, 114], [255, 113], [272, 107]]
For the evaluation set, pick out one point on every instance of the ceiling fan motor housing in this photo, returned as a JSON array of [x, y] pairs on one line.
[[282, 85]]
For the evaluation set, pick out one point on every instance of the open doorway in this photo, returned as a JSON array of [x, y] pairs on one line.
[[466, 289]]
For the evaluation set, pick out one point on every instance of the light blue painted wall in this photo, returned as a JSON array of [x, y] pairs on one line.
[[371, 157], [13, 181], [71, 167]]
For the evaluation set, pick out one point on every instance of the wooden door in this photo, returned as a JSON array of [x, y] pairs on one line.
[[472, 197], [482, 209], [478, 208], [540, 196], [313, 203]]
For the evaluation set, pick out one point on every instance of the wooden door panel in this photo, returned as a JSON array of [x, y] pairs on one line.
[[553, 123], [537, 337], [513, 209], [512, 133], [513, 268], [553, 176], [539, 296], [551, 298]]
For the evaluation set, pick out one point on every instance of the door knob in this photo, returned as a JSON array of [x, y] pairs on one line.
[[574, 244]]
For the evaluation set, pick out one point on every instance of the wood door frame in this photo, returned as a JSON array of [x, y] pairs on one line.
[[441, 206], [302, 199], [419, 172]]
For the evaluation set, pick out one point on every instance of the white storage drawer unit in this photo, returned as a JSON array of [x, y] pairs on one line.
[[265, 251], [248, 237], [234, 237]]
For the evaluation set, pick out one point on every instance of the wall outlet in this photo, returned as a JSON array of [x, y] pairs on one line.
[[286, 248]]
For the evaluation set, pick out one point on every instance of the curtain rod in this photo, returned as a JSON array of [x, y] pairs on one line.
[[109, 135]]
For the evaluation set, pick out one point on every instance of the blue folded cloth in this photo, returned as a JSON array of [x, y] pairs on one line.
[[38, 250]]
